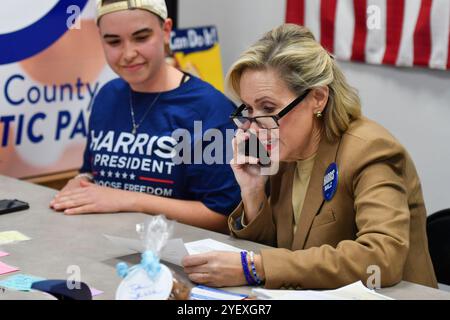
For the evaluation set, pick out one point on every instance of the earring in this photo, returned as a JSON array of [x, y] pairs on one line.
[[318, 114]]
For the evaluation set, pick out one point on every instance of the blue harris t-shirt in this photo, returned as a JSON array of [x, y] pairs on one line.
[[149, 161]]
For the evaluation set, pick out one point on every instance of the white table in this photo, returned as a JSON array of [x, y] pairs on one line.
[[59, 242]]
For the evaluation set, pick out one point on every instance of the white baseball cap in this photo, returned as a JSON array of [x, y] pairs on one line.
[[157, 7]]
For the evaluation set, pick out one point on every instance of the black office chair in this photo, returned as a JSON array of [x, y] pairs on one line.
[[438, 231]]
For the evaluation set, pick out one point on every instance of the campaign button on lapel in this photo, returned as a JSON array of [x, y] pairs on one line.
[[330, 181]]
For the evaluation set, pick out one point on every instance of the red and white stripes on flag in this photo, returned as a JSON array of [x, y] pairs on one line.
[[397, 32]]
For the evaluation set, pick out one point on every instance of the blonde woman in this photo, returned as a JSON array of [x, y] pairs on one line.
[[346, 201]]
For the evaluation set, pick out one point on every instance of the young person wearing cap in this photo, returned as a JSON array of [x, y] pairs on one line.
[[129, 161]]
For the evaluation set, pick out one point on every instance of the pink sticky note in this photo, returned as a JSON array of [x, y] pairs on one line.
[[3, 254], [95, 292], [4, 268]]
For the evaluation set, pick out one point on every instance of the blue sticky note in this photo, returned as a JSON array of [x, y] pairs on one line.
[[21, 282]]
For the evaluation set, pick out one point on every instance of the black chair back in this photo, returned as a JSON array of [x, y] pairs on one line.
[[438, 232]]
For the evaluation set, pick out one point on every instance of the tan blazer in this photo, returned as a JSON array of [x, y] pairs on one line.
[[376, 218]]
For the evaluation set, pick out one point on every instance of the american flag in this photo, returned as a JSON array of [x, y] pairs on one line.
[[396, 32]]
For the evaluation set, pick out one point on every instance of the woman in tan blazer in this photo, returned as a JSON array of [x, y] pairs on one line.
[[345, 203]]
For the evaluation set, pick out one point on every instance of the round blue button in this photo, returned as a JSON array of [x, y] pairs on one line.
[[330, 181]]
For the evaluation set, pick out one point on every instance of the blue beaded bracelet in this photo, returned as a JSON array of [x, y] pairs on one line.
[[252, 262], [247, 275]]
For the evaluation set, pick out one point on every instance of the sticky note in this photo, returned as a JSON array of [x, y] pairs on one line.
[[95, 292], [12, 236], [4, 268], [3, 254], [21, 282]]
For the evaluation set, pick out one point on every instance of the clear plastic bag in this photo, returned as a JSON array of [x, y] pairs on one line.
[[150, 279], [154, 233]]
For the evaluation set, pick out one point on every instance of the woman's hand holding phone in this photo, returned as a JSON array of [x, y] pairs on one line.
[[247, 171]]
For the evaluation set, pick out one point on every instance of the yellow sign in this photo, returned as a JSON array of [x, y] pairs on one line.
[[197, 51]]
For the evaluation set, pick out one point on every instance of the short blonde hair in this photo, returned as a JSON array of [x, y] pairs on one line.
[[302, 63]]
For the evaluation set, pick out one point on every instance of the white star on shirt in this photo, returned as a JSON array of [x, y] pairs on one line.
[[110, 174], [132, 176], [124, 175], [102, 173], [117, 174]]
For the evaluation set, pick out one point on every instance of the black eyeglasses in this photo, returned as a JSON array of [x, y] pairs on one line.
[[265, 122]]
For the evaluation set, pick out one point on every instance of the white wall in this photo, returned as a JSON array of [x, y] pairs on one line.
[[414, 104], [239, 22]]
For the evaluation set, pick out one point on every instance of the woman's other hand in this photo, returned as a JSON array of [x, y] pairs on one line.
[[215, 269]]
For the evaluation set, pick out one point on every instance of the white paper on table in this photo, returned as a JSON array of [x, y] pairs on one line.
[[358, 291], [354, 291], [173, 252], [206, 293], [270, 294], [208, 245]]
